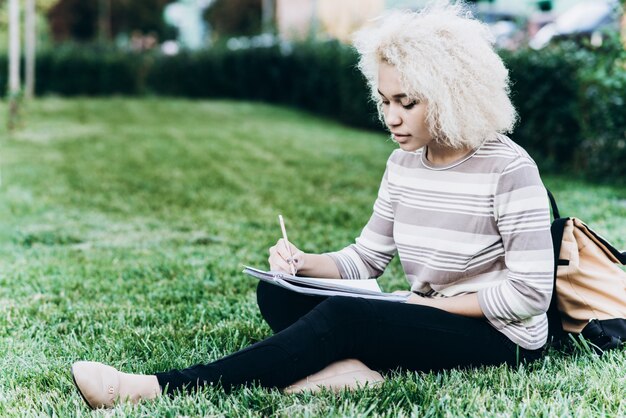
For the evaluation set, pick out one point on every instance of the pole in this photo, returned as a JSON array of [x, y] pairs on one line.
[[14, 61], [30, 34]]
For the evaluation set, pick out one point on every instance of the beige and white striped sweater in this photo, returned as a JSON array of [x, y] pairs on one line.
[[481, 225]]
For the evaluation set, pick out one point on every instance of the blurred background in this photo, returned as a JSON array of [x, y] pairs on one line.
[[174, 25], [566, 58]]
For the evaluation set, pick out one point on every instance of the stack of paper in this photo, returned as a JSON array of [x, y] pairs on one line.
[[368, 289]]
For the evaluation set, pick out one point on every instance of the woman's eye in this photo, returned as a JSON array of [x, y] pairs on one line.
[[385, 103], [408, 105]]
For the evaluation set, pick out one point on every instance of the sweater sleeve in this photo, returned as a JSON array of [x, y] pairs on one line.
[[521, 211], [375, 247]]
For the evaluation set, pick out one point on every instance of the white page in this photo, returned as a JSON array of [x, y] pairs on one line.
[[369, 284], [390, 297], [325, 287]]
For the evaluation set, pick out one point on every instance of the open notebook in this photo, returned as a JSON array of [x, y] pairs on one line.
[[368, 289]]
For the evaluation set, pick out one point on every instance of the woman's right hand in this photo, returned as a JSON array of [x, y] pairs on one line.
[[280, 257]]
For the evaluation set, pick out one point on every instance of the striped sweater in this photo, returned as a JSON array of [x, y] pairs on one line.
[[480, 225]]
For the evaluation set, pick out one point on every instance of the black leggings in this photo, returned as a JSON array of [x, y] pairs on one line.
[[313, 332]]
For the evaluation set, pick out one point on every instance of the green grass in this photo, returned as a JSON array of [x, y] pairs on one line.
[[124, 225]]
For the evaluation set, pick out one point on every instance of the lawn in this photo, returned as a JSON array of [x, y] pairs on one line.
[[124, 225]]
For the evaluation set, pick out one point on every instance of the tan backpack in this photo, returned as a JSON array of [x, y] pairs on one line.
[[589, 296]]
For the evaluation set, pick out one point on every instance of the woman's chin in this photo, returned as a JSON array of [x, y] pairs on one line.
[[408, 147]]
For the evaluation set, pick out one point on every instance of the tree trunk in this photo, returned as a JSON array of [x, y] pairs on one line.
[[14, 62], [30, 34], [314, 21], [104, 20], [268, 16]]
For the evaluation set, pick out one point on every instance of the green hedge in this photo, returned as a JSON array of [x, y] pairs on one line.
[[72, 70], [570, 99], [320, 78], [603, 114], [545, 90], [571, 105]]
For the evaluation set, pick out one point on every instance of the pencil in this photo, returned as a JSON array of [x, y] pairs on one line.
[[282, 227]]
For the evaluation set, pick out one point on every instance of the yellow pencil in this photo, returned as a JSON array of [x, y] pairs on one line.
[[282, 227]]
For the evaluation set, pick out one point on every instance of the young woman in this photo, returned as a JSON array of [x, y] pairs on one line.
[[461, 204]]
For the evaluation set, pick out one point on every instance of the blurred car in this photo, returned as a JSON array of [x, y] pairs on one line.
[[585, 20], [507, 28]]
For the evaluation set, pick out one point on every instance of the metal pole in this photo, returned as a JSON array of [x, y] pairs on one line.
[[30, 33], [14, 47], [14, 62]]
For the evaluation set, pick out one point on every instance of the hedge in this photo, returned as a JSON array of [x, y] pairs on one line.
[[571, 105], [320, 78], [570, 99]]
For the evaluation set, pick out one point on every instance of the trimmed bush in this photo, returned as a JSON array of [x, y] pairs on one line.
[[321, 78], [545, 93], [570, 99], [93, 71], [602, 115]]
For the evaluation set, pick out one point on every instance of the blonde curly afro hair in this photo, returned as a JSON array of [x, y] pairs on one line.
[[446, 58]]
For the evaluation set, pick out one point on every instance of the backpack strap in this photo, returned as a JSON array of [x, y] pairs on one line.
[[555, 326], [555, 208]]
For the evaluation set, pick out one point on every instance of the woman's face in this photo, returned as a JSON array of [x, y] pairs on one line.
[[405, 118]]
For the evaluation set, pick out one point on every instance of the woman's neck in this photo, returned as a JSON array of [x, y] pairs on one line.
[[439, 155]]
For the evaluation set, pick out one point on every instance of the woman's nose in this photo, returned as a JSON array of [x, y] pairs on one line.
[[393, 117]]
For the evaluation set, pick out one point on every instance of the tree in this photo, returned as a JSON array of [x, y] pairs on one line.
[[235, 17], [268, 16], [73, 19], [84, 20], [544, 5]]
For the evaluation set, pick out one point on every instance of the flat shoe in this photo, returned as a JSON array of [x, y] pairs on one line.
[[97, 383]]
